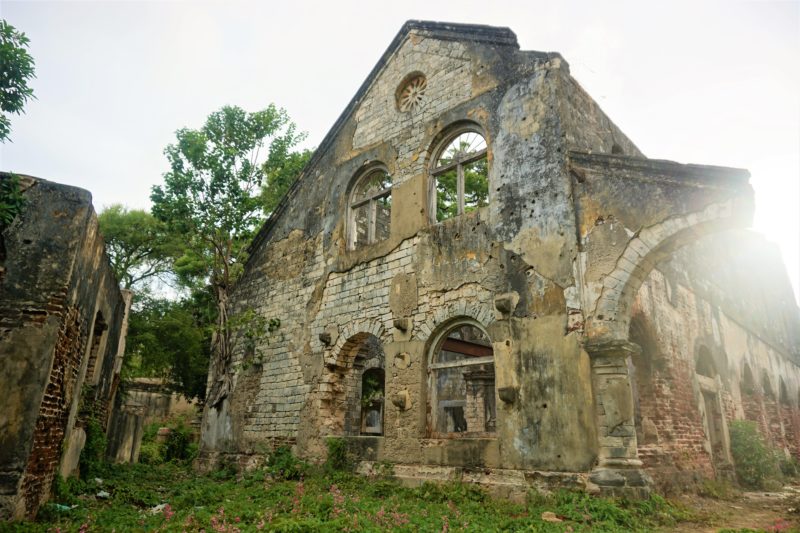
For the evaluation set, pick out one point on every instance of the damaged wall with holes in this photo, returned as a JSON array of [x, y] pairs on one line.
[[63, 319], [447, 302]]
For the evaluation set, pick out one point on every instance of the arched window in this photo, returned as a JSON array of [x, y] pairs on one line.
[[462, 392], [766, 386], [783, 393], [372, 394], [460, 174], [748, 385], [705, 364], [370, 209]]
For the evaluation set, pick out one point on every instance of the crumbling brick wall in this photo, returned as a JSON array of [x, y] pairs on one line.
[[56, 280], [48, 436], [684, 317]]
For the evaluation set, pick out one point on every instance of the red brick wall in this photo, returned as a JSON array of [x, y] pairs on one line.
[[54, 412]]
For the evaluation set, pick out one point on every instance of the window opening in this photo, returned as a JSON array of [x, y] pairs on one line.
[[748, 385], [461, 176], [371, 209], [766, 386], [463, 383], [705, 364], [372, 397], [783, 393]]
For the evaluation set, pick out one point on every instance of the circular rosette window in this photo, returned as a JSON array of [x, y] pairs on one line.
[[411, 92]]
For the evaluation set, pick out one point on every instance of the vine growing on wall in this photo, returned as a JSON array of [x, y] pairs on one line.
[[12, 201]]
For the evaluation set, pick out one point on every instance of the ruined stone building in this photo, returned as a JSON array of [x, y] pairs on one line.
[[479, 276], [62, 330]]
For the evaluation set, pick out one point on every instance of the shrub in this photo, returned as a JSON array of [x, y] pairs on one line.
[[789, 467], [180, 445], [756, 464], [284, 465], [338, 457], [93, 453]]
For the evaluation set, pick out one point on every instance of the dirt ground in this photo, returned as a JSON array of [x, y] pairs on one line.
[[760, 511]]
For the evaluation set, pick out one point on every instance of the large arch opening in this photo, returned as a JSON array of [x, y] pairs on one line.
[[354, 389], [461, 392]]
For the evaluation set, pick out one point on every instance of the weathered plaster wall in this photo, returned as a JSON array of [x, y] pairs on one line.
[[538, 269], [523, 243], [56, 280]]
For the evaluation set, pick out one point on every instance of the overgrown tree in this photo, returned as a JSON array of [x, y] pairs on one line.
[[138, 245], [280, 175], [211, 197], [16, 71], [171, 339]]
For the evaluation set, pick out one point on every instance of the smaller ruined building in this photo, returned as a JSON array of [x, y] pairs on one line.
[[146, 400], [63, 319], [479, 276]]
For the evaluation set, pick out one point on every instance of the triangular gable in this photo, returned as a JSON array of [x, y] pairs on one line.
[[497, 36]]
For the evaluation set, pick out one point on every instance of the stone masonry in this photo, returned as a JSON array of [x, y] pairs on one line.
[[569, 274]]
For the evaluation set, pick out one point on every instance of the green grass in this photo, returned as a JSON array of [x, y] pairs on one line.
[[324, 502]]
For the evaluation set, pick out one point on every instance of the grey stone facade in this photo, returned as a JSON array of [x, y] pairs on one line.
[[574, 224]]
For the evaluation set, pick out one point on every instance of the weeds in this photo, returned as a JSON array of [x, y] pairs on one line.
[[170, 497], [339, 459], [283, 465]]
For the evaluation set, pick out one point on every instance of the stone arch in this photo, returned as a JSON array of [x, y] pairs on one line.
[[783, 393], [461, 392], [651, 245], [350, 335], [477, 311], [766, 386], [748, 382], [704, 364], [341, 383]]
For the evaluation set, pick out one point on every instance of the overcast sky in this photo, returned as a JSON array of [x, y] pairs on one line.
[[695, 82]]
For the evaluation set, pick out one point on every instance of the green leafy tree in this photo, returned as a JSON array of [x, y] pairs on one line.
[[138, 245], [171, 339], [16, 70], [280, 175], [212, 199], [12, 200]]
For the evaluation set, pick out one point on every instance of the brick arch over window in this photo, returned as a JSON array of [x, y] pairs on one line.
[[340, 385], [479, 312]]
